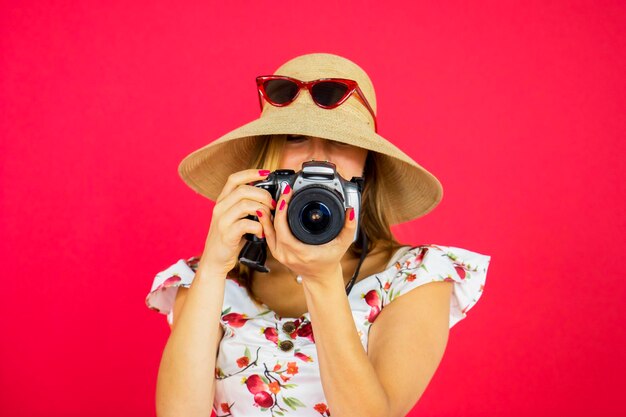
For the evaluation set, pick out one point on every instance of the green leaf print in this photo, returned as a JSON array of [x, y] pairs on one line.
[[451, 256], [226, 311], [247, 353], [293, 402]]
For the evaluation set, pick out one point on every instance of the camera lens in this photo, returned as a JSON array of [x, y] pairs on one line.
[[316, 214], [315, 217]]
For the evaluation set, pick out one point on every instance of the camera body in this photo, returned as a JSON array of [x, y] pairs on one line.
[[316, 211]]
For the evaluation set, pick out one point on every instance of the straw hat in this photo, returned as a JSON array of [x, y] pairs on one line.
[[409, 190]]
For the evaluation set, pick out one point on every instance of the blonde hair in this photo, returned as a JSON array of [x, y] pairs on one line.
[[373, 222]]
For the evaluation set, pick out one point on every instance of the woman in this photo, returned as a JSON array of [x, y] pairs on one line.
[[289, 341]]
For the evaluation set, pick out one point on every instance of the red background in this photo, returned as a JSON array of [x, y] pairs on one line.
[[517, 107]]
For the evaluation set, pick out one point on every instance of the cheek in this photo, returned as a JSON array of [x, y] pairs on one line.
[[351, 165]]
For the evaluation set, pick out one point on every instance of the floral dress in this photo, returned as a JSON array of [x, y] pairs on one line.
[[267, 365]]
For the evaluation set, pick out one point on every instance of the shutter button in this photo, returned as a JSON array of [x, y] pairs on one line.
[[286, 345], [289, 327]]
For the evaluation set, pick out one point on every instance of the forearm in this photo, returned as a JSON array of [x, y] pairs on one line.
[[187, 369], [350, 383]]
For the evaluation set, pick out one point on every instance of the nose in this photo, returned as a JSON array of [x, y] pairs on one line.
[[319, 150]]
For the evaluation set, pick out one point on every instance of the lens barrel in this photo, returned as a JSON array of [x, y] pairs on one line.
[[316, 214]]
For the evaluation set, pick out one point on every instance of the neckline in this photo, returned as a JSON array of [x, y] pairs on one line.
[[265, 309]]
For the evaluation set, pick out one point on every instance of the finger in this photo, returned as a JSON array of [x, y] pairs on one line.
[[246, 192], [283, 233], [244, 226], [241, 177], [241, 210], [268, 228]]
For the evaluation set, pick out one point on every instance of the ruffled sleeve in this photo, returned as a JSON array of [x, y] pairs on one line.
[[429, 263], [166, 283]]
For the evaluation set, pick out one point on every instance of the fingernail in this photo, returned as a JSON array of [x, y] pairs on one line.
[[351, 214], [282, 205], [273, 203], [259, 213], [262, 235], [264, 172], [287, 189]]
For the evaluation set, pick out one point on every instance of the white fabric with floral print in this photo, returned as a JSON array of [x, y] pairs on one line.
[[267, 364]]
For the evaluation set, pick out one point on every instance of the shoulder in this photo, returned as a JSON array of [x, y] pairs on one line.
[[166, 283], [463, 269]]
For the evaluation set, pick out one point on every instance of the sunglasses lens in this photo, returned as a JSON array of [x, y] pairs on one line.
[[280, 91], [328, 93]]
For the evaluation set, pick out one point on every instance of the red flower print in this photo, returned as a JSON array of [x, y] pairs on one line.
[[284, 377], [372, 298], [276, 367], [243, 362], [387, 286], [193, 261], [235, 319], [307, 331], [322, 409], [171, 281], [373, 314], [460, 271], [264, 399], [274, 387], [448, 279], [305, 358], [292, 368], [410, 277], [255, 384], [271, 334], [225, 407]]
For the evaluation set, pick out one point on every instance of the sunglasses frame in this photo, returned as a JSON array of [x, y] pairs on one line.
[[351, 84]]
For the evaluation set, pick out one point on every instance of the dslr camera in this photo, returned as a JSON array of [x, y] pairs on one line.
[[316, 211]]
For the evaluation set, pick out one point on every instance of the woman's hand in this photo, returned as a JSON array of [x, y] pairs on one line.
[[311, 262], [228, 224]]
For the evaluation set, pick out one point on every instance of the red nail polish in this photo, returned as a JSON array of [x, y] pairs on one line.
[[287, 189], [351, 214], [259, 213], [264, 172], [262, 235], [282, 205], [273, 203]]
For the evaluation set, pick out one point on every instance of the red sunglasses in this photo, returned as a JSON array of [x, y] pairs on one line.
[[327, 93]]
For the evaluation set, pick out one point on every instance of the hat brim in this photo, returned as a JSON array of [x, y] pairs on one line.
[[409, 190]]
